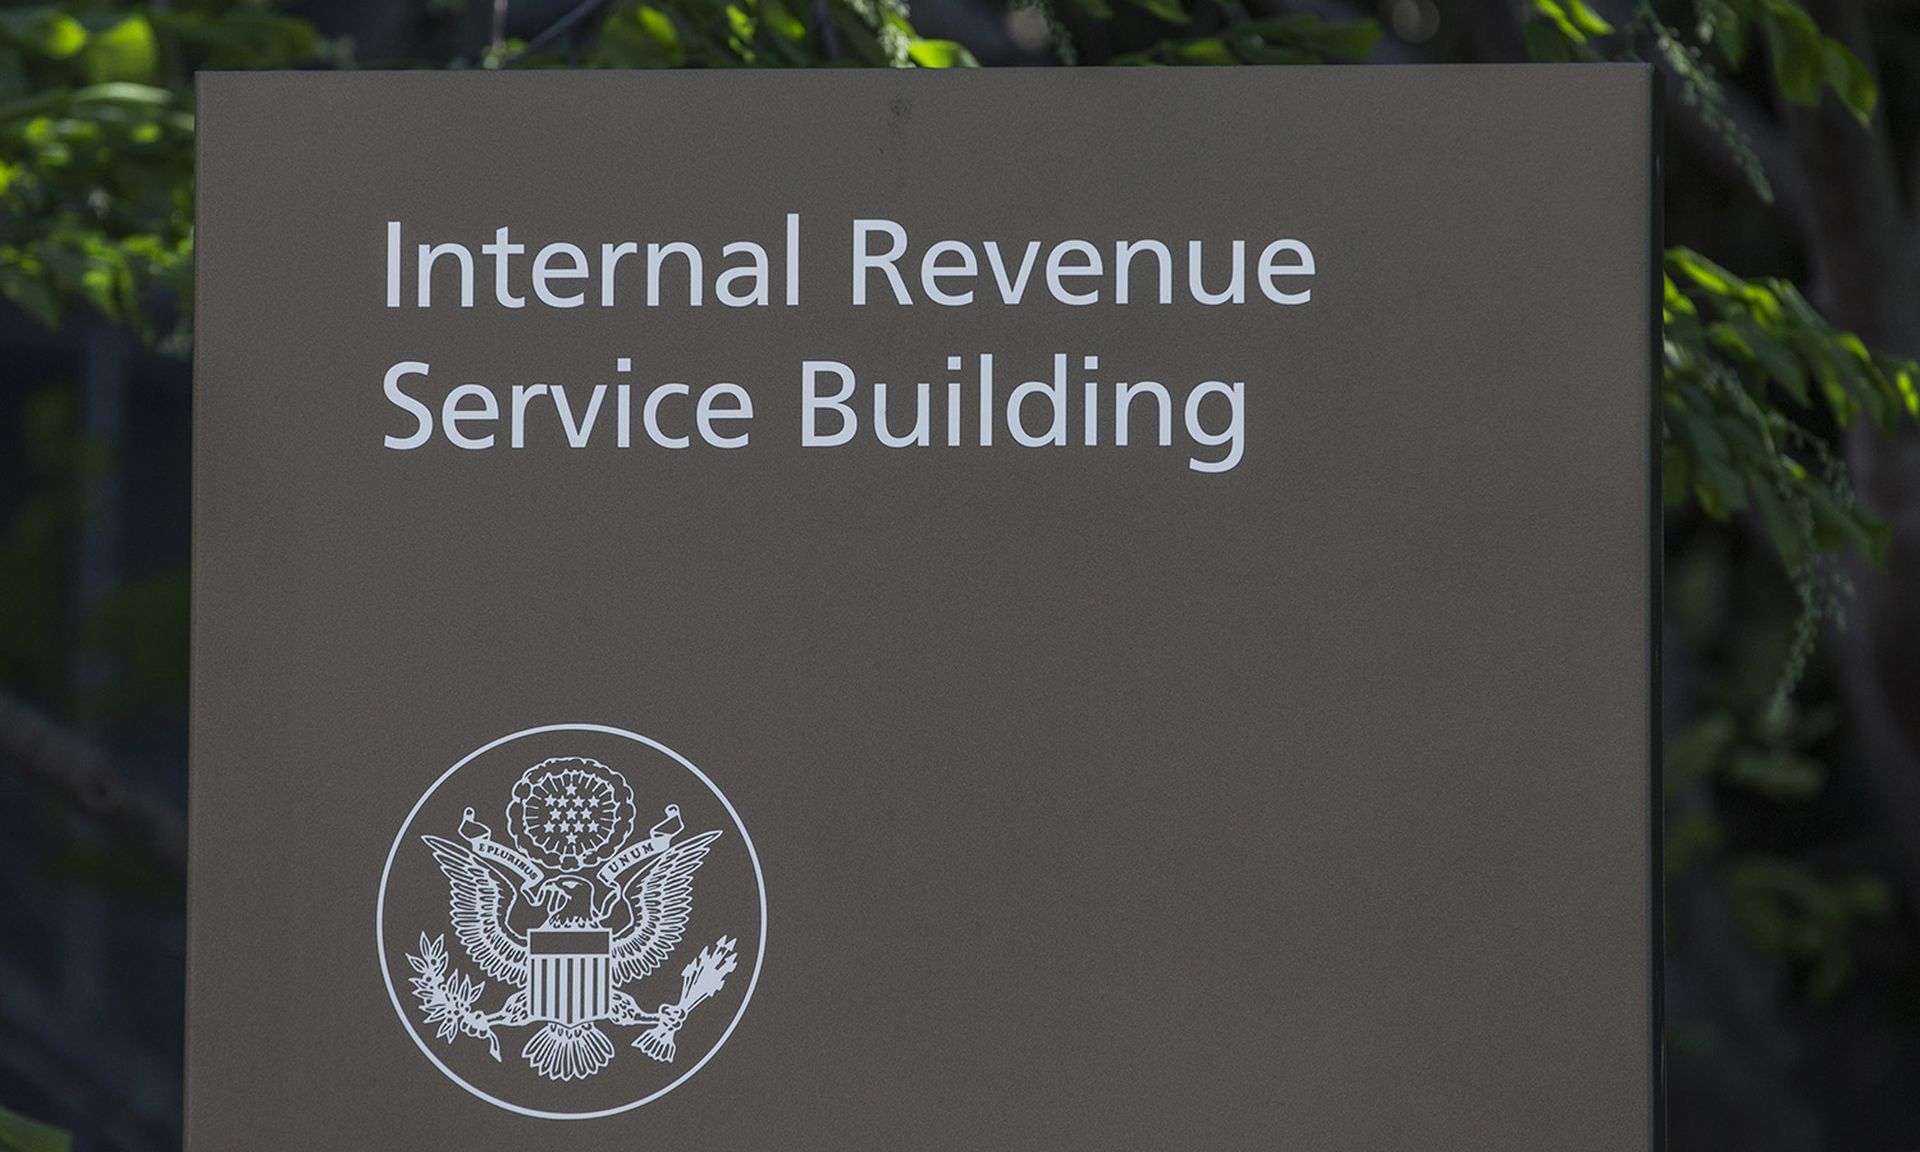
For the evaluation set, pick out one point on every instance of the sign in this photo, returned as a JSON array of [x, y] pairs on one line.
[[907, 611]]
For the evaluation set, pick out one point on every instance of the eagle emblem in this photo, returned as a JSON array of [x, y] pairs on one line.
[[566, 917]]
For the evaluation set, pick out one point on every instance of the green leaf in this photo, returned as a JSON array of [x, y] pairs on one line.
[[1855, 367], [1694, 752], [1299, 38], [1254, 50], [776, 18], [1169, 11], [645, 38], [1749, 342], [238, 36], [1903, 373], [45, 30], [30, 291], [1789, 536], [1687, 839], [1799, 52], [1836, 523], [659, 30], [19, 1134], [1549, 43], [127, 51], [1871, 897], [1784, 906], [1556, 15], [130, 95], [1574, 22], [941, 54], [1850, 80], [1212, 51], [1675, 300], [1585, 18], [1779, 776], [1721, 487], [1351, 41], [1705, 272], [861, 38], [1676, 475], [1721, 24]]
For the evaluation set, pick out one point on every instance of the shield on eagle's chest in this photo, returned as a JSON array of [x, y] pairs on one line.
[[570, 974]]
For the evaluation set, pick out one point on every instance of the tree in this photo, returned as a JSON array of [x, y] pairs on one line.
[[1780, 405]]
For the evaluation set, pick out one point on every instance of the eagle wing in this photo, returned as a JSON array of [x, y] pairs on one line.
[[477, 904], [661, 900]]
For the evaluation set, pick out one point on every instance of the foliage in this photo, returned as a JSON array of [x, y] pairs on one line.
[[755, 33], [1751, 373], [96, 203], [1564, 31], [96, 145], [96, 121], [1806, 63], [1300, 38], [1736, 352], [1784, 907], [1746, 364], [1700, 90], [1752, 377], [19, 1134]]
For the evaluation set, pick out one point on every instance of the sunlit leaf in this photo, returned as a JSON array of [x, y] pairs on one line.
[[44, 30], [941, 54], [126, 51]]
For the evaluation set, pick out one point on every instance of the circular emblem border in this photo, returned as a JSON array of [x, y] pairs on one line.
[[380, 919]]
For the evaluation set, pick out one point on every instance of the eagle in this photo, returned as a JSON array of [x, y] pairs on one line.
[[496, 912]]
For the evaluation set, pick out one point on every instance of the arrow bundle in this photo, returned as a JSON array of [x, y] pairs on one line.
[[703, 976]]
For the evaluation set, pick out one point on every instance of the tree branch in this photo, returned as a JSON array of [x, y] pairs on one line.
[[1867, 279], [79, 775], [1704, 141]]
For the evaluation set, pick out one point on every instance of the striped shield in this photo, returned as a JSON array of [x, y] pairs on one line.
[[570, 978]]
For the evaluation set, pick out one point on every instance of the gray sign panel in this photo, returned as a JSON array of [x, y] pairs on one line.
[[877, 611]]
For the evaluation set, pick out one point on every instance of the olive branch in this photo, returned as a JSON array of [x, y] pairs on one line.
[[447, 998]]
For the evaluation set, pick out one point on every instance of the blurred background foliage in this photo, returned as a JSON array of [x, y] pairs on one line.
[[1792, 624]]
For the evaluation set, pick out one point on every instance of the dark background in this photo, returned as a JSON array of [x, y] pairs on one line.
[[1793, 971]]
